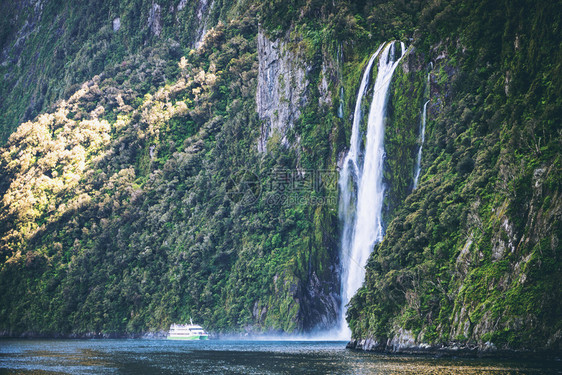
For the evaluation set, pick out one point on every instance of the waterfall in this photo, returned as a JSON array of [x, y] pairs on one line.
[[340, 108], [422, 140], [422, 135], [349, 177], [340, 64], [361, 186]]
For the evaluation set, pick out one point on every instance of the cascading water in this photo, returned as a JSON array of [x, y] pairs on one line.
[[350, 173], [422, 133], [340, 108], [340, 63], [361, 186]]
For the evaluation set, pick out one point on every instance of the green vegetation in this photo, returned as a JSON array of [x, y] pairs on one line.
[[121, 213], [142, 198], [51, 48]]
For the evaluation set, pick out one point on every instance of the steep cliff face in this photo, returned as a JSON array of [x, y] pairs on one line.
[[281, 91]]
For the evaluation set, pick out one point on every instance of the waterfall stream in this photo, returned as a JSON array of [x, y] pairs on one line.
[[361, 185], [422, 135]]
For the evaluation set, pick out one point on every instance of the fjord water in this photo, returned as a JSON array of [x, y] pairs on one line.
[[42, 357], [361, 185]]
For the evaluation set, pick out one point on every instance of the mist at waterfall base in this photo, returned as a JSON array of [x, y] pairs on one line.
[[361, 186]]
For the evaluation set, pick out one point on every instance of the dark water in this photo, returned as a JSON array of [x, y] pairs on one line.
[[41, 357]]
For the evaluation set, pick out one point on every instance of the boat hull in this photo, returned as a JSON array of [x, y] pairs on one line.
[[190, 338]]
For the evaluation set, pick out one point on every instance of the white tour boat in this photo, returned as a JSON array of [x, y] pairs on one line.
[[187, 332]]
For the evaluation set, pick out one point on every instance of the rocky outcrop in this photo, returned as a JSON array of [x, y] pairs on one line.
[[116, 24], [325, 96], [321, 302], [486, 350], [25, 26], [403, 341], [204, 9], [154, 22], [281, 91]]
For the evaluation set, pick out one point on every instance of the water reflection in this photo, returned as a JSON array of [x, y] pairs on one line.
[[40, 357]]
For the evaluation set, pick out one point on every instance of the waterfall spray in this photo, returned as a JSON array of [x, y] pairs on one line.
[[361, 186]]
